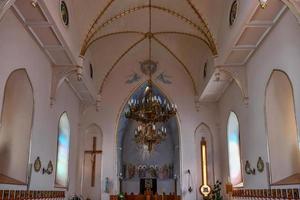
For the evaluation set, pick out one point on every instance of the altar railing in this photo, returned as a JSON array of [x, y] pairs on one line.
[[147, 197], [251, 194], [23, 195]]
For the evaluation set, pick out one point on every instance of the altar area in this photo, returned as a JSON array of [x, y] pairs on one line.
[[147, 197]]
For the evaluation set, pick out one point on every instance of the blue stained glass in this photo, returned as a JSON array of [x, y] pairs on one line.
[[233, 136], [62, 163]]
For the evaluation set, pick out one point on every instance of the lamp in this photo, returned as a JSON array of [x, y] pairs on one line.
[[150, 109]]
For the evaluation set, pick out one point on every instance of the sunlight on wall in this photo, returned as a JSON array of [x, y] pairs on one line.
[[233, 137], [61, 178]]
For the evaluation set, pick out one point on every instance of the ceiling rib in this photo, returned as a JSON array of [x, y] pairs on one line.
[[182, 33], [114, 33], [205, 32], [180, 61], [118, 60]]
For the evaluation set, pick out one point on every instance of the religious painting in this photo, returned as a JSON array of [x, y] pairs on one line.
[[233, 12], [63, 148], [233, 137], [64, 12], [131, 171]]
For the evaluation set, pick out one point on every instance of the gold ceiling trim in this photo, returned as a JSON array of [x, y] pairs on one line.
[[210, 35], [118, 60], [97, 19], [184, 34], [91, 33], [112, 34], [179, 60]]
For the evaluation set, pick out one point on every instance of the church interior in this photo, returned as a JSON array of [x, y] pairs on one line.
[[149, 99]]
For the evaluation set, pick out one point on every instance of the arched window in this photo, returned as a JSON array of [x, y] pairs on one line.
[[15, 131], [282, 130], [233, 138], [63, 148]]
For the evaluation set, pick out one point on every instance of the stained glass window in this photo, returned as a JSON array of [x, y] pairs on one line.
[[233, 137], [63, 146]]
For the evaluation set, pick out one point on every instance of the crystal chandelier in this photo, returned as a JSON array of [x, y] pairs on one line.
[[148, 135], [150, 109]]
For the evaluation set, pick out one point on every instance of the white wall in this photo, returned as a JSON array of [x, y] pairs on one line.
[[19, 50], [281, 49]]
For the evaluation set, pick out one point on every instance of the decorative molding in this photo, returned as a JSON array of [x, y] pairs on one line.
[[202, 28], [59, 75], [294, 6], [4, 6], [238, 74]]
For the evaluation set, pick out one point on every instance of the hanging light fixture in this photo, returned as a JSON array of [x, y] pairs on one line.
[[150, 110], [148, 135], [263, 3]]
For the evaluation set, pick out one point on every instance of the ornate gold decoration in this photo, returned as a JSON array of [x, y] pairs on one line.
[[149, 110], [202, 29], [263, 3]]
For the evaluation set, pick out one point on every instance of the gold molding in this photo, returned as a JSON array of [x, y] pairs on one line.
[[210, 35], [189, 35], [118, 60], [180, 61], [112, 34], [203, 30]]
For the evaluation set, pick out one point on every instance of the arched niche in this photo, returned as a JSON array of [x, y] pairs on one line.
[[93, 139], [130, 154], [203, 131], [16, 124], [284, 155]]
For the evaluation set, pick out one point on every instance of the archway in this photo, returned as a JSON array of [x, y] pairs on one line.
[[136, 164], [284, 154], [203, 131], [16, 124]]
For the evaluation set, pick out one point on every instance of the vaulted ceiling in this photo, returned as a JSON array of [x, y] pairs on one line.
[[115, 34]]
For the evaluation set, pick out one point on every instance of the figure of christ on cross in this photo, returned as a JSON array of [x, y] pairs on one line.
[[93, 154]]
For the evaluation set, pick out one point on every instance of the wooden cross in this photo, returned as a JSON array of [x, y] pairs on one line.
[[93, 153]]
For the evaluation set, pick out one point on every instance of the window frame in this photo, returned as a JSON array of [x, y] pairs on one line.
[[241, 184], [56, 185]]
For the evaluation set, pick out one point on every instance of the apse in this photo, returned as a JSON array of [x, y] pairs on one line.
[[136, 164]]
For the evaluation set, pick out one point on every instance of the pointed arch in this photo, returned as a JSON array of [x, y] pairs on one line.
[[204, 131], [282, 129], [234, 150], [16, 127], [63, 151]]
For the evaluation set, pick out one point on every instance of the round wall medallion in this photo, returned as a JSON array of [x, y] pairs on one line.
[[64, 12], [233, 12]]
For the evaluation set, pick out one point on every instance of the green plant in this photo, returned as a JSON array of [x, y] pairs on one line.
[[216, 192]]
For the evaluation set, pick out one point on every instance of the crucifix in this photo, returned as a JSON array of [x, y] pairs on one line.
[[93, 153]]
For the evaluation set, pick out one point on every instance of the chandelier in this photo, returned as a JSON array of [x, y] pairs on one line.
[[150, 110], [148, 135]]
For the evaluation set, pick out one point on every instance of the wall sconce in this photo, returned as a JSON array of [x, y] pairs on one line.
[[263, 3], [49, 169]]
